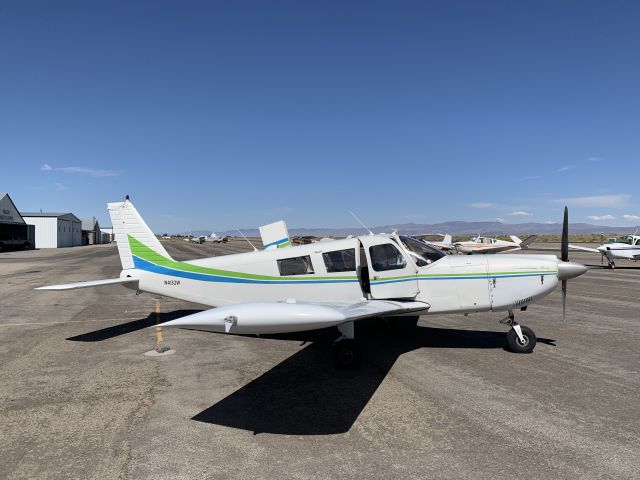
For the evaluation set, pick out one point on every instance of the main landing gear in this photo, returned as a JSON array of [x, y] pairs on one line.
[[346, 353], [521, 339]]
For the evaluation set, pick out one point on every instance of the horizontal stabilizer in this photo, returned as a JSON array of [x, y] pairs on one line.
[[90, 283], [289, 316], [528, 241]]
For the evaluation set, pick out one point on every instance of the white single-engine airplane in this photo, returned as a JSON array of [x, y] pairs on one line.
[[493, 245], [627, 246], [481, 244], [333, 283]]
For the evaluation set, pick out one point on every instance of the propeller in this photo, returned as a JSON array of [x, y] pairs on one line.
[[564, 256], [567, 269]]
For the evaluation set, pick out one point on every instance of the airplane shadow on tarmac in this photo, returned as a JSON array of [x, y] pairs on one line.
[[124, 328], [306, 395]]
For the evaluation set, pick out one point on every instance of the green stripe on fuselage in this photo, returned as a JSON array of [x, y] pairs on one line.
[[140, 250]]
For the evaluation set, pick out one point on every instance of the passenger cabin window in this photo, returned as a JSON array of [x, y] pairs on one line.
[[295, 266], [386, 257], [421, 253], [340, 260]]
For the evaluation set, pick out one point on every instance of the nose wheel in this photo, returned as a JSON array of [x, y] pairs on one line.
[[520, 339]]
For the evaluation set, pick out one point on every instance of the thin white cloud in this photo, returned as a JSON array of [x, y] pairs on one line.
[[549, 222], [600, 218], [500, 220], [632, 218], [520, 213], [532, 177], [90, 172], [599, 201], [61, 186], [480, 205], [565, 168], [595, 159]]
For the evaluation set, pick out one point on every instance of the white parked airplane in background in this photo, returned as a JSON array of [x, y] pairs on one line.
[[481, 244], [625, 247], [216, 238], [493, 245], [333, 283]]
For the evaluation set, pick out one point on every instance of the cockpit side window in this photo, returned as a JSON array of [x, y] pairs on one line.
[[421, 253], [295, 266], [386, 257], [340, 260]]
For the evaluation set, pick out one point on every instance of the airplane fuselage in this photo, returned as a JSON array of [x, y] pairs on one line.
[[452, 284]]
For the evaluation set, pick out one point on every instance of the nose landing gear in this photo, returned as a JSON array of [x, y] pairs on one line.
[[520, 339]]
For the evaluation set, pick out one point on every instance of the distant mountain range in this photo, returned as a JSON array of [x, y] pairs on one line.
[[453, 228]]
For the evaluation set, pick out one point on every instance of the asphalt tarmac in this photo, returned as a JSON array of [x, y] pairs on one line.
[[79, 399]]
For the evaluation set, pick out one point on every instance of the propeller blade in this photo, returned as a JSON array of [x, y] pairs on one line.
[[565, 236], [564, 300]]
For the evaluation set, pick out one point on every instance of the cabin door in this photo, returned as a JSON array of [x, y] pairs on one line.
[[391, 273]]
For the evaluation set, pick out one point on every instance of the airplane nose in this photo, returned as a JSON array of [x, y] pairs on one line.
[[567, 270]]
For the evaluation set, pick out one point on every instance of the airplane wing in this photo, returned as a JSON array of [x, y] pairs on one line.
[[583, 249], [91, 283], [289, 316]]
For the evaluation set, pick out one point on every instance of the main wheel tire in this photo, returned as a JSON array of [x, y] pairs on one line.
[[516, 346], [346, 354]]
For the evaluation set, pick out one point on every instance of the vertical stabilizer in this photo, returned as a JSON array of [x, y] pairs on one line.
[[127, 223], [275, 235]]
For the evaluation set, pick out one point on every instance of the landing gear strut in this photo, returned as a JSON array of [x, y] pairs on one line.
[[520, 339], [346, 353]]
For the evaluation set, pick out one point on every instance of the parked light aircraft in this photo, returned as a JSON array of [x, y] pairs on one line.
[[216, 238], [493, 245], [480, 244], [627, 246], [333, 283]]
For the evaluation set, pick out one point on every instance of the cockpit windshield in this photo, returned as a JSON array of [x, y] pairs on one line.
[[628, 239], [421, 253]]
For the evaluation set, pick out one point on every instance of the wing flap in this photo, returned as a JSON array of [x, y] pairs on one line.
[[90, 283]]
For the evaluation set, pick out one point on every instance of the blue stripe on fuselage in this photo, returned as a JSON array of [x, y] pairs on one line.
[[205, 277]]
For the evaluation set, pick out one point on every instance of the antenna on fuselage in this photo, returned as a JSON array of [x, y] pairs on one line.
[[360, 222], [252, 245]]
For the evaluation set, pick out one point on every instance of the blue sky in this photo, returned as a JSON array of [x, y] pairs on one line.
[[216, 115]]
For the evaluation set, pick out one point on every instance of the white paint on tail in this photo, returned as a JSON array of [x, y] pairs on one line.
[[127, 221]]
